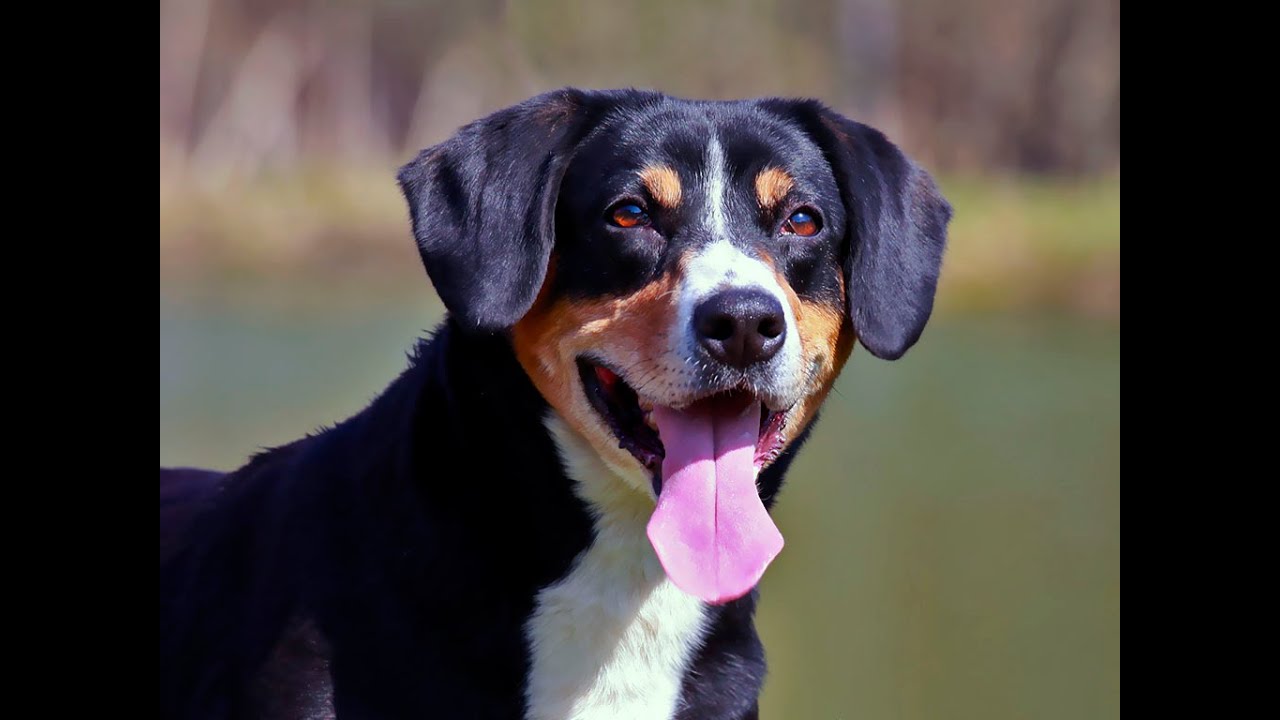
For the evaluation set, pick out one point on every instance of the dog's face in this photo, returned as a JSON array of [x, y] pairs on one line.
[[683, 282], [697, 254]]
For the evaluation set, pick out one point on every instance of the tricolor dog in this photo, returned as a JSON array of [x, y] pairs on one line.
[[560, 509]]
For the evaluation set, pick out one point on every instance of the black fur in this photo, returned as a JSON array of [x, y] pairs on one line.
[[386, 567]]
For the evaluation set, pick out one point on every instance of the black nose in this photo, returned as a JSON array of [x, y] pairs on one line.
[[740, 327]]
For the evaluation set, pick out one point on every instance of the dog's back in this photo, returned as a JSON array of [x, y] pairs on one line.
[[224, 594], [183, 492]]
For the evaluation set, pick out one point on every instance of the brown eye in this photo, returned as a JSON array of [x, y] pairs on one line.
[[802, 223], [629, 215]]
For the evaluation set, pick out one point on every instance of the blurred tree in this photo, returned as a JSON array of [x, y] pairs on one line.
[[1005, 85]]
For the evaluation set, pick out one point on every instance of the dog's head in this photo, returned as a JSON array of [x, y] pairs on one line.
[[682, 281]]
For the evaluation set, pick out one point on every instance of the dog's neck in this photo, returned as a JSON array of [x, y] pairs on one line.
[[477, 447]]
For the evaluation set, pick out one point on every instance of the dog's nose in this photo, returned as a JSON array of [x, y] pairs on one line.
[[740, 327]]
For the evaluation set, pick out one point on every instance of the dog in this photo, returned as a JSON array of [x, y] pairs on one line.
[[560, 509]]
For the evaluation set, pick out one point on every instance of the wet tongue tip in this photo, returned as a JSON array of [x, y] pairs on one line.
[[710, 530]]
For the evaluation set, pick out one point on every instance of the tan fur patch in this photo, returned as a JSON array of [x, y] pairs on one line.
[[663, 184], [826, 342], [631, 334], [826, 339], [772, 185]]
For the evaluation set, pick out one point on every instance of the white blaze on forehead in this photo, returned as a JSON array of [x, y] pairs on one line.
[[721, 265], [716, 195]]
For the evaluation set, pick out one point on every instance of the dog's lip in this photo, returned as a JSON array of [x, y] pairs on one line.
[[608, 393]]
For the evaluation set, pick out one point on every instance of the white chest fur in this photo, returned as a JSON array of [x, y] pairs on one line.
[[613, 638]]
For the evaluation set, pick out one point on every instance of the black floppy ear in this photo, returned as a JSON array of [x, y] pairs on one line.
[[482, 204], [897, 227]]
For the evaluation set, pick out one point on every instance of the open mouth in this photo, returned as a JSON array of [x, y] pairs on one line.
[[709, 528], [631, 418]]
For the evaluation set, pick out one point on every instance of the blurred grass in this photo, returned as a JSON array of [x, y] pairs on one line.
[[1024, 242], [1033, 242], [953, 532]]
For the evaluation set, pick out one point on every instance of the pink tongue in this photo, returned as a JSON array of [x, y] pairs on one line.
[[710, 529]]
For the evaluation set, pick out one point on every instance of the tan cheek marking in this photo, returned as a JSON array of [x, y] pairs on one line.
[[629, 332], [663, 184], [772, 185], [830, 343], [826, 342]]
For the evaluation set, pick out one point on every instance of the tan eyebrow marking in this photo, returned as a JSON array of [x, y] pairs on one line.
[[663, 184], [772, 184]]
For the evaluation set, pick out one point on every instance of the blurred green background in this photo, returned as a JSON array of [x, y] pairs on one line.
[[953, 546]]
